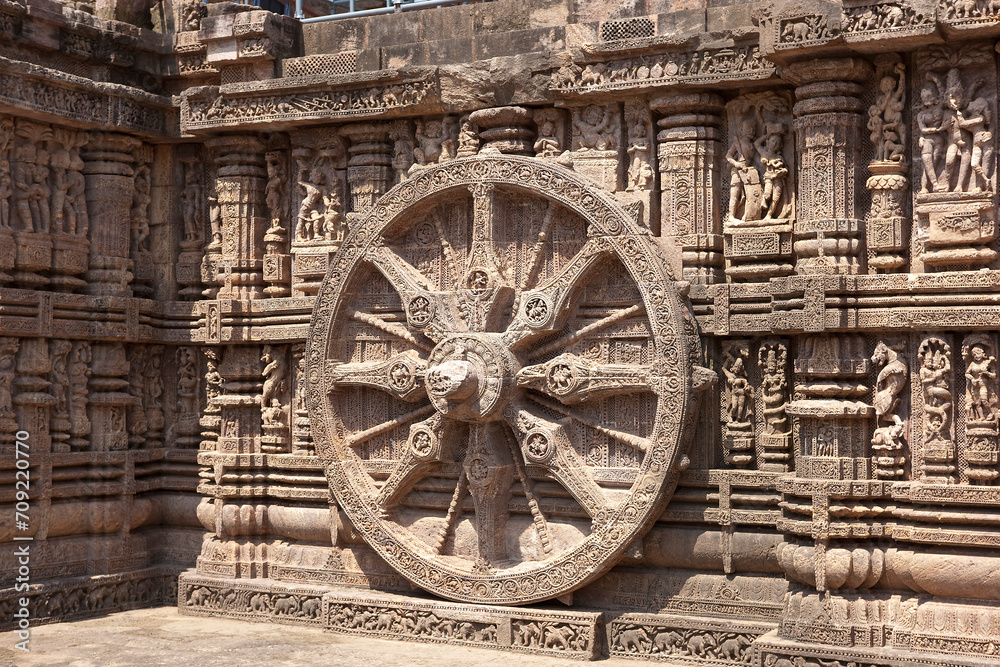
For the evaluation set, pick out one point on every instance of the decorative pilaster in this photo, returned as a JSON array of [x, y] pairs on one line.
[[505, 129], [301, 431], [109, 400], [277, 261], [240, 401], [369, 167], [211, 420], [828, 125], [195, 267], [109, 172], [689, 149], [32, 400], [240, 185], [8, 250], [274, 399]]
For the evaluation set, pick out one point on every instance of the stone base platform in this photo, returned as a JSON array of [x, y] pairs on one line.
[[555, 632]]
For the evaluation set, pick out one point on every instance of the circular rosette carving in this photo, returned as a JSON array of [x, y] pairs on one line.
[[499, 379]]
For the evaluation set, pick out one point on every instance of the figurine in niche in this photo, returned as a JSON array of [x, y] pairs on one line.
[[769, 147], [309, 226], [432, 143], [953, 124], [935, 370], [745, 193], [8, 369], [468, 139], [215, 218], [192, 11], [978, 125], [640, 173], [885, 117], [191, 202], [594, 128], [187, 383], [76, 198], [140, 206], [740, 391], [60, 185], [275, 384], [547, 144], [774, 387], [930, 121], [333, 222], [6, 190], [402, 158], [981, 382], [275, 190]]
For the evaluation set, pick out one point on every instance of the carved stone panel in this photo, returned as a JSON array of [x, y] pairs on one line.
[[495, 329]]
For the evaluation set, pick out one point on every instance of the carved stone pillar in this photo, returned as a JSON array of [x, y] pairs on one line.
[[689, 176], [32, 400], [830, 409], [211, 420], [240, 185], [110, 182], [828, 124], [369, 165], [109, 400], [301, 431], [240, 401], [277, 261], [195, 263], [506, 129], [8, 250]]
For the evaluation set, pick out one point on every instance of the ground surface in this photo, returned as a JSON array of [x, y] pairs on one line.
[[161, 636]]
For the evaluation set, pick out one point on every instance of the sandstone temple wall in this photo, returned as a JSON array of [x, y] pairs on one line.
[[680, 318]]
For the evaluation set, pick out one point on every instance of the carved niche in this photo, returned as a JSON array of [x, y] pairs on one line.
[[468, 361]]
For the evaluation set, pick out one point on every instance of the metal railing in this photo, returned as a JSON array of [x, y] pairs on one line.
[[391, 7]]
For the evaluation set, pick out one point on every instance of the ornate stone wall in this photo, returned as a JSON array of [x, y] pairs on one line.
[[680, 325]]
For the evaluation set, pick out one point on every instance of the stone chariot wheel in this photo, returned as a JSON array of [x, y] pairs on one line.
[[499, 372]]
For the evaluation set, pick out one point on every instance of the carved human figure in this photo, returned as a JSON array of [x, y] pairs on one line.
[[981, 382], [192, 11], [954, 126], [468, 138], [929, 122], [745, 192], [79, 372], [76, 197], [885, 117], [8, 369], [191, 201], [59, 377], [275, 384], [215, 218], [977, 120], [309, 226], [275, 190], [594, 128], [770, 147], [59, 162], [333, 223], [640, 172], [547, 144], [935, 373], [140, 208], [187, 382], [774, 387], [740, 391], [430, 136], [402, 149]]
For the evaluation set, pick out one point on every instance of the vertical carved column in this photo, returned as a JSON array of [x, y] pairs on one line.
[[829, 409], [69, 219], [888, 230], [689, 175], [143, 269], [277, 261], [369, 165], [59, 388], [506, 129], [738, 444], [110, 183], [8, 372], [274, 399], [32, 400], [302, 431], [194, 266], [776, 439], [187, 411], [828, 123], [892, 427], [108, 400], [240, 185], [934, 441], [211, 420], [240, 401], [980, 411], [8, 250], [79, 376]]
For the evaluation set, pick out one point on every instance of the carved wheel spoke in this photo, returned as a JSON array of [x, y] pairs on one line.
[[543, 309], [507, 487]]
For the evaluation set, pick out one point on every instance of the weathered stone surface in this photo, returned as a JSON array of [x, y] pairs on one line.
[[682, 314]]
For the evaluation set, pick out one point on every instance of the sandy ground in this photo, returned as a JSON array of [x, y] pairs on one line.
[[161, 636]]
